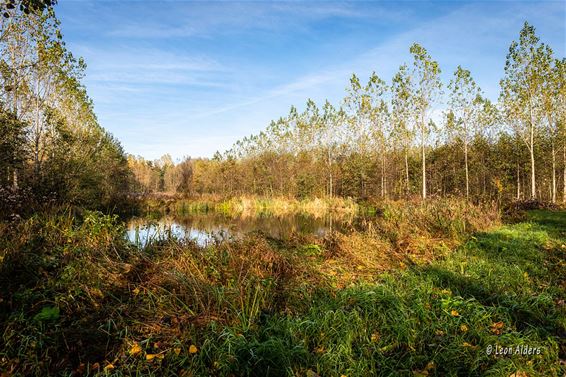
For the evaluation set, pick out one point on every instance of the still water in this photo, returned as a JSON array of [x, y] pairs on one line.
[[206, 228]]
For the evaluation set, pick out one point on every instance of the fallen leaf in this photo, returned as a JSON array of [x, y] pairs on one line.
[[177, 351], [454, 313], [497, 327], [374, 337], [463, 328], [193, 349], [151, 356], [135, 349], [109, 367], [519, 373]]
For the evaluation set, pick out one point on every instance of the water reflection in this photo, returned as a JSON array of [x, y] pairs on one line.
[[206, 228]]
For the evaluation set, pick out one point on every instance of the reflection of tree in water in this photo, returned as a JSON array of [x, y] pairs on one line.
[[214, 226]]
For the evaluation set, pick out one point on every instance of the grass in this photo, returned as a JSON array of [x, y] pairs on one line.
[[424, 290], [246, 206]]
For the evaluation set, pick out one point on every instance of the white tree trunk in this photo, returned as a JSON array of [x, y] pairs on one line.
[[407, 187], [532, 151], [466, 166], [553, 174], [423, 156]]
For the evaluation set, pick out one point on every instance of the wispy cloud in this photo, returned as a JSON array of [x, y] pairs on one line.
[[190, 78]]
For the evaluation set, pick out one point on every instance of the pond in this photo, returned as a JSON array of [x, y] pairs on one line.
[[212, 227]]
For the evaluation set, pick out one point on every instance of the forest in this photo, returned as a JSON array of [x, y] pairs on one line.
[[382, 141], [435, 225]]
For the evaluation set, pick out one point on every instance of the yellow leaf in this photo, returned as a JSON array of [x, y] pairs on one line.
[[136, 291], [151, 356], [466, 344], [177, 351], [454, 313], [519, 373], [430, 365], [374, 337], [109, 367], [463, 328], [193, 349], [135, 349]]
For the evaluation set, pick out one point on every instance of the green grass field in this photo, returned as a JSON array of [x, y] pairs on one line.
[[78, 300]]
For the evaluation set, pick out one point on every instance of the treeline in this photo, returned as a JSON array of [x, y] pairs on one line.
[[385, 141], [52, 149]]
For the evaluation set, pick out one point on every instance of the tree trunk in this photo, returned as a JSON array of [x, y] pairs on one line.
[[330, 188], [553, 173], [518, 183], [407, 188], [423, 156], [532, 150], [466, 166], [383, 190], [564, 175]]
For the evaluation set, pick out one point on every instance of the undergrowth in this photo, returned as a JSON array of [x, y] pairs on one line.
[[424, 289]]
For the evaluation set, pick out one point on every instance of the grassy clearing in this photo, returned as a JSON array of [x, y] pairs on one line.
[[411, 295]]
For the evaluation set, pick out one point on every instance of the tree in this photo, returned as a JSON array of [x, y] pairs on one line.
[[425, 90], [521, 91], [465, 110], [11, 148], [26, 6], [402, 112], [379, 120], [551, 78], [560, 106]]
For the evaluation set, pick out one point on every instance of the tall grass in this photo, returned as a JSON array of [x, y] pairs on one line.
[[248, 206]]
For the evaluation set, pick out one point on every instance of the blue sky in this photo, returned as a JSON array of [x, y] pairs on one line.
[[189, 78]]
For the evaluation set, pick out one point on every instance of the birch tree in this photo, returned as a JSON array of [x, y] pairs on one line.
[[425, 90], [465, 106], [402, 113], [521, 92]]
